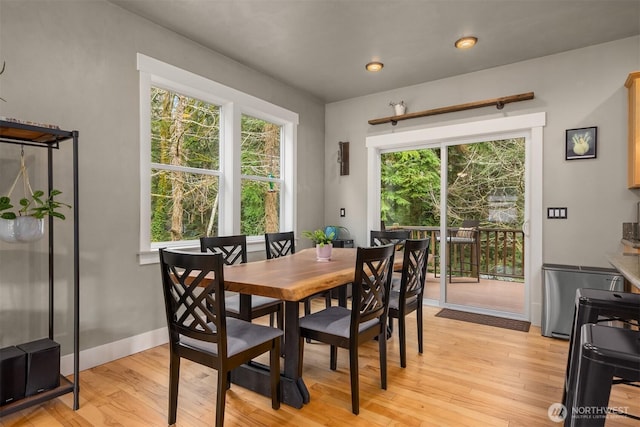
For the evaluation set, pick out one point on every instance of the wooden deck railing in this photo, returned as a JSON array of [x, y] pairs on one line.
[[501, 250]]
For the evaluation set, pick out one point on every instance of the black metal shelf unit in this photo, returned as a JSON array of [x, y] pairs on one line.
[[16, 132]]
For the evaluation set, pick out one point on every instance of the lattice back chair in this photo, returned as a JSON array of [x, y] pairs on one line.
[[279, 244], [348, 328], [199, 330], [390, 237], [407, 296], [242, 306], [387, 237]]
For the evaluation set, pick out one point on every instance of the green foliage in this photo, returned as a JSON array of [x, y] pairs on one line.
[[410, 182], [410, 187], [253, 209], [5, 204], [37, 206], [319, 237]]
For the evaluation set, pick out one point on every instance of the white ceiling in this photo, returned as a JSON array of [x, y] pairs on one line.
[[321, 46]]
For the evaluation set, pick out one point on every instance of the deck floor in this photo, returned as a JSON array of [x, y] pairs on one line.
[[496, 295]]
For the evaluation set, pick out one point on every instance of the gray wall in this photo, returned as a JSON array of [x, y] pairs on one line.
[[73, 64], [576, 89]]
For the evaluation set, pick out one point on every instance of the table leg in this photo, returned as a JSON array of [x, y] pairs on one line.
[[342, 295], [245, 307], [255, 376], [292, 368]]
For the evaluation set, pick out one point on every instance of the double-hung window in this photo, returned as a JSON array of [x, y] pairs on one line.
[[213, 161]]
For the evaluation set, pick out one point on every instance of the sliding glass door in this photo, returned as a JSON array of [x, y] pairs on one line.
[[489, 171], [483, 242], [469, 199]]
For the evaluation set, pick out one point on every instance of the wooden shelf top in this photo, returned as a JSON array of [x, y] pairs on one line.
[[498, 102], [18, 132]]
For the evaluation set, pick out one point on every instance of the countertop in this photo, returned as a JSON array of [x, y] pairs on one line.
[[628, 265]]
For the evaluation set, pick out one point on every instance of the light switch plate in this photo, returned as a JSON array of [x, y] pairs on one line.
[[557, 213]]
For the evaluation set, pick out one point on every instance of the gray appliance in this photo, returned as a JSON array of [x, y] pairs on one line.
[[559, 285]]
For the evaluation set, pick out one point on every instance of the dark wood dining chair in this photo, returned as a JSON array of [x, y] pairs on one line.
[[200, 331], [242, 306], [406, 297], [348, 328], [279, 244], [386, 237], [390, 237]]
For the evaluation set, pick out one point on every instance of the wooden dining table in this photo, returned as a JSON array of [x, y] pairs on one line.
[[290, 278]]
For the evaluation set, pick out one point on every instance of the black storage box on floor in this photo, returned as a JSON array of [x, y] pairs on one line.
[[13, 374], [43, 365]]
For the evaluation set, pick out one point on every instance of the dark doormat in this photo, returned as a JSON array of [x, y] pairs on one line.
[[483, 319]]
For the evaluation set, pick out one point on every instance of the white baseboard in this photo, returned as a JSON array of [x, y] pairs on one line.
[[95, 356]]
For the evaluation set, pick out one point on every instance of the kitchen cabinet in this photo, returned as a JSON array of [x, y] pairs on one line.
[[633, 86]]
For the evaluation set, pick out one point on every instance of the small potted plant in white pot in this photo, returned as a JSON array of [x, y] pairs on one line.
[[399, 108], [27, 223], [323, 243]]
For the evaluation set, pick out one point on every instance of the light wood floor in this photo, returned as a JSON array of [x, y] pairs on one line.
[[469, 375]]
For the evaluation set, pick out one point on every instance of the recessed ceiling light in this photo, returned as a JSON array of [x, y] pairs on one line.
[[466, 42], [374, 66]]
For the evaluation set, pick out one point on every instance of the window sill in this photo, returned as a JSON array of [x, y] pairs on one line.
[[254, 245]]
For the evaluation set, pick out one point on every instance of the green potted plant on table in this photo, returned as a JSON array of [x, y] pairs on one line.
[[323, 243], [27, 223]]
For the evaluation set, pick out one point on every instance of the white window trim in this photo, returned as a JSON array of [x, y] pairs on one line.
[[233, 104]]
